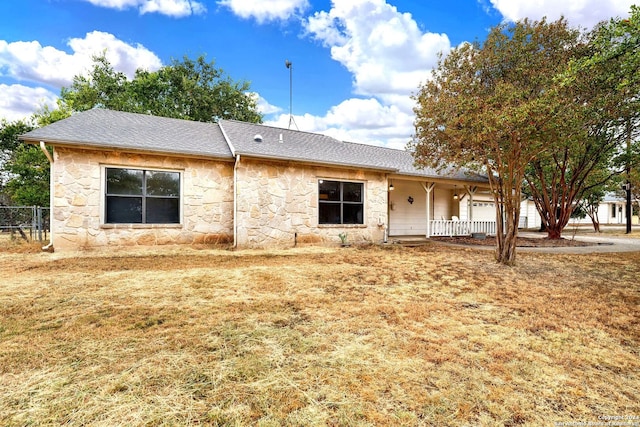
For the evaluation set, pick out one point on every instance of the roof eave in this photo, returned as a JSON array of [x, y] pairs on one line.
[[102, 147], [317, 162], [446, 178]]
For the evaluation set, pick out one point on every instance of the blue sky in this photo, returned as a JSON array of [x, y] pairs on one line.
[[355, 62]]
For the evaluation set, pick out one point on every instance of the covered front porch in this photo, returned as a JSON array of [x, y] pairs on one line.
[[439, 208]]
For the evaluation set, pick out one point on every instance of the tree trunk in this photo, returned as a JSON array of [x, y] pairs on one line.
[[554, 233], [591, 209], [559, 221], [507, 196], [506, 253], [543, 225], [508, 235], [593, 216]]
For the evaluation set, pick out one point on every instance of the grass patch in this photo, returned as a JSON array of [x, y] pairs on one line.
[[13, 243], [432, 335]]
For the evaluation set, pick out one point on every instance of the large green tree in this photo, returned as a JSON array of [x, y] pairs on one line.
[[24, 169], [187, 89], [617, 48], [29, 182], [600, 89], [493, 107], [634, 176], [9, 144]]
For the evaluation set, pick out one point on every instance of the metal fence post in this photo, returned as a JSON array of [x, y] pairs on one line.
[[40, 223], [34, 224]]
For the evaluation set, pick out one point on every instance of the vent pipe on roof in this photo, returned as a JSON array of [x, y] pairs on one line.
[[280, 140]]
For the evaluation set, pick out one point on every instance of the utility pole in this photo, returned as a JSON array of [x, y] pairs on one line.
[[289, 65]]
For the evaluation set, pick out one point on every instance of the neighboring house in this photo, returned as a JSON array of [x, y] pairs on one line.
[[611, 211], [131, 179]]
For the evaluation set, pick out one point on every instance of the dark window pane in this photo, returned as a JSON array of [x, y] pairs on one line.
[[352, 192], [163, 184], [124, 181], [162, 211], [329, 190], [124, 210], [352, 213], [329, 213]]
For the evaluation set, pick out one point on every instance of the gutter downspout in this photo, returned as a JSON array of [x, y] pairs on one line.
[[46, 152], [235, 182], [49, 246], [235, 201]]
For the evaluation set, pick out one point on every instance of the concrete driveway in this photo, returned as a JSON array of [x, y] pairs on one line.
[[601, 243]]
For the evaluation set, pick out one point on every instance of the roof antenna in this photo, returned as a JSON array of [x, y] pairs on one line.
[[289, 65]]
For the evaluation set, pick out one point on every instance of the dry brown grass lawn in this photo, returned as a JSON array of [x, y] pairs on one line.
[[432, 335]]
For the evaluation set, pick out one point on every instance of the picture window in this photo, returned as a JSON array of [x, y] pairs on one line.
[[340, 202], [137, 196]]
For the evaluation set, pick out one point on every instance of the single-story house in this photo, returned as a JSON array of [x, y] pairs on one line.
[[133, 179], [610, 211]]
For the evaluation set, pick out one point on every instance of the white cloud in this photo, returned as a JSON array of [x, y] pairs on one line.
[[30, 61], [173, 8], [263, 105], [19, 102], [266, 10], [585, 13], [123, 57], [365, 113], [48, 66], [389, 55], [384, 49], [364, 121]]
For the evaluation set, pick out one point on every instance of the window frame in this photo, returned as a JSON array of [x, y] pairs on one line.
[[144, 197], [342, 202]]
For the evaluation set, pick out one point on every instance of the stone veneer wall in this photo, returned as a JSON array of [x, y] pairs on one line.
[[78, 201], [277, 205]]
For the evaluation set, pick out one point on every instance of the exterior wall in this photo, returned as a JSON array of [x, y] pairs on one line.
[[529, 216], [606, 214], [443, 204], [78, 201], [410, 219], [406, 219], [611, 213], [277, 205]]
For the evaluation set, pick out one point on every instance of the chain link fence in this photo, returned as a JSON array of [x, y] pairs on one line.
[[28, 222]]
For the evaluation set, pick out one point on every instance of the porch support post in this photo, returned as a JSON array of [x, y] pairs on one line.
[[428, 186], [471, 189]]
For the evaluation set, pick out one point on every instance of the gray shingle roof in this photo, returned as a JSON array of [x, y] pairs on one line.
[[405, 163], [300, 146], [108, 129], [613, 197], [322, 149], [139, 132]]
